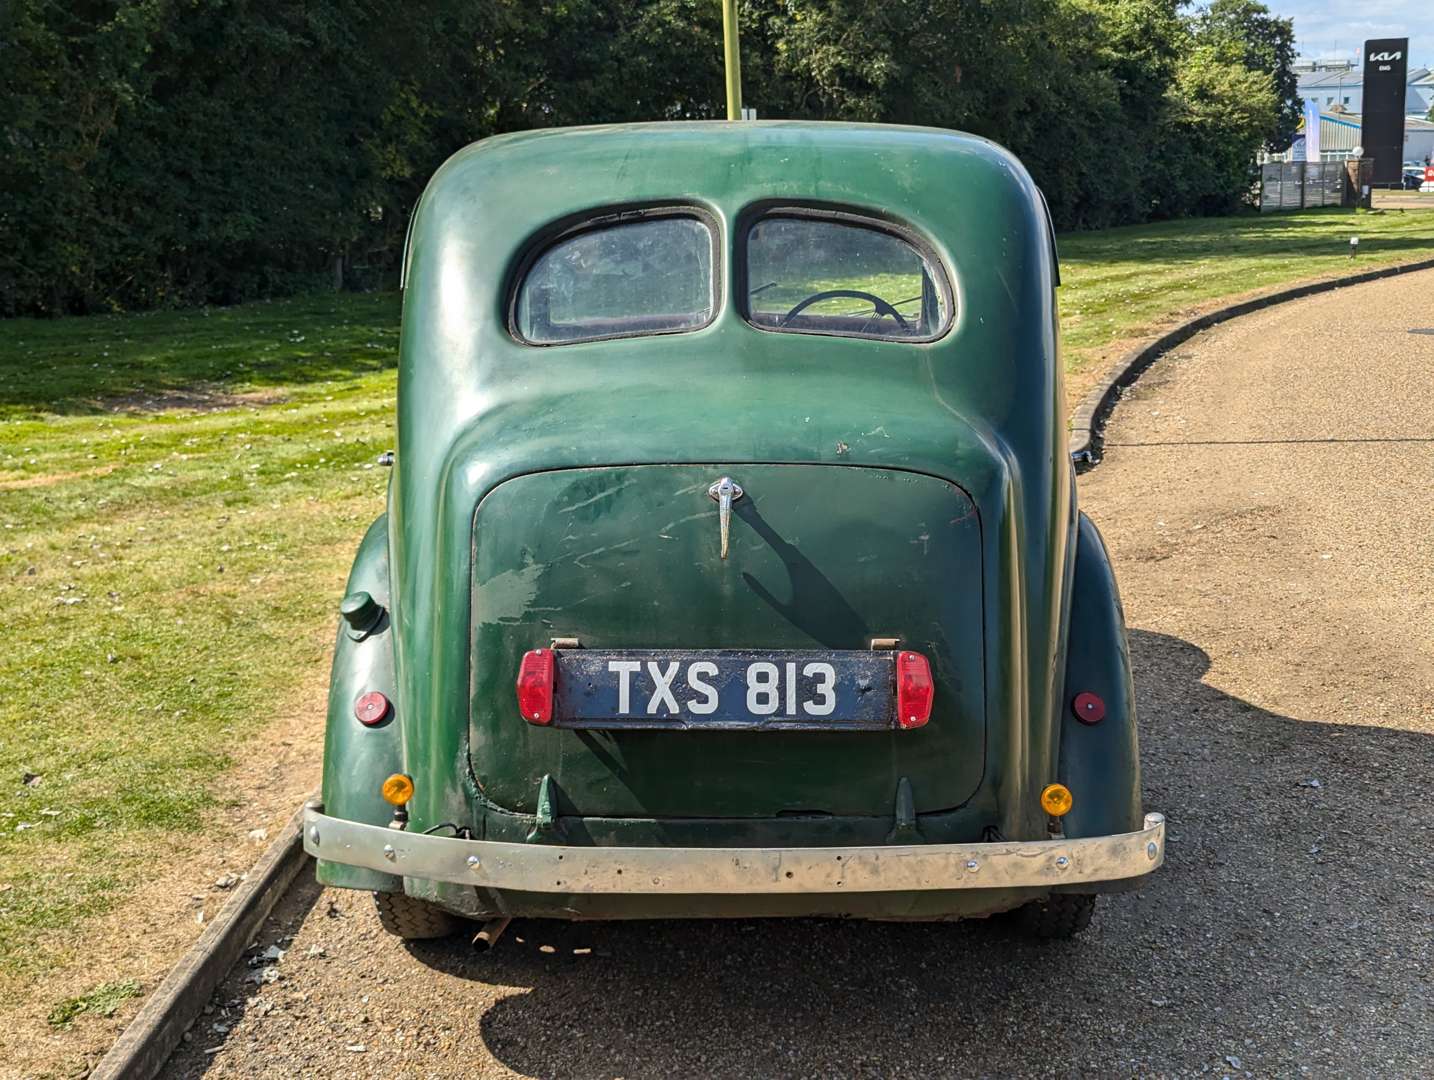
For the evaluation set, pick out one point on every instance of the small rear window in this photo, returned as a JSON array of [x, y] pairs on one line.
[[831, 273], [648, 275]]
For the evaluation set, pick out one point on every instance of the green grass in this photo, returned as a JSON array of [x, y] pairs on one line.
[[1118, 283], [903, 291], [103, 1000], [168, 577]]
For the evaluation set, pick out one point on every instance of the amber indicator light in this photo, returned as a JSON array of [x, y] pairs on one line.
[[1056, 800], [397, 789]]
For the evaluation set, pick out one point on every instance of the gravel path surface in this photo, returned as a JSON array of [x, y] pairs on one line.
[[1267, 495]]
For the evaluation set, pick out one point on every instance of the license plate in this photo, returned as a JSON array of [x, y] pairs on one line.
[[732, 689]]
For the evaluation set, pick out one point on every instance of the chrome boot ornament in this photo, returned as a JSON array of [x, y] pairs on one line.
[[725, 492]]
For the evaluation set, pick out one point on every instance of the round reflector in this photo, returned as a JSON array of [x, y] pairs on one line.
[[1088, 708], [371, 708]]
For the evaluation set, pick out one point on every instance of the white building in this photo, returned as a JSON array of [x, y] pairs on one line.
[[1339, 83], [1418, 140]]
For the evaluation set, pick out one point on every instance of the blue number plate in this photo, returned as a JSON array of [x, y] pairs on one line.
[[728, 689]]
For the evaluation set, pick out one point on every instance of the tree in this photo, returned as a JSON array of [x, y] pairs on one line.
[[1245, 31], [69, 76], [163, 152], [1218, 113]]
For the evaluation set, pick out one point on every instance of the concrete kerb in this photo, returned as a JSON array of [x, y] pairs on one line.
[[159, 1026], [1090, 415]]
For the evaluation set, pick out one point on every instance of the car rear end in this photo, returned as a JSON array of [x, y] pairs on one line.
[[729, 568]]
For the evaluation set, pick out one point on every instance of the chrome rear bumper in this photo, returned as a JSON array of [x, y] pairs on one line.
[[544, 868]]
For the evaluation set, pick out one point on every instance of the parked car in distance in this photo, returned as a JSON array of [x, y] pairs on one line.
[[732, 564]]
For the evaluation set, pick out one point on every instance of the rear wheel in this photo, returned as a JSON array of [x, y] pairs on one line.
[[1058, 916], [406, 917]]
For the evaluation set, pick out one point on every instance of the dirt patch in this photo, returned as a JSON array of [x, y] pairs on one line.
[[275, 771], [1403, 200], [198, 398], [1090, 366], [47, 479]]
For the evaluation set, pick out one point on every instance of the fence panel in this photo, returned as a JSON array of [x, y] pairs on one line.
[[1298, 185]]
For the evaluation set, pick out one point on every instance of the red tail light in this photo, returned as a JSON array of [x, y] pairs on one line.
[[535, 686], [914, 690]]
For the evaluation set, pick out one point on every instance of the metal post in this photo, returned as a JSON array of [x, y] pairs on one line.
[[733, 54]]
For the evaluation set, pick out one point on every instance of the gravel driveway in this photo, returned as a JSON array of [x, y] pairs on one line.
[[1267, 495]]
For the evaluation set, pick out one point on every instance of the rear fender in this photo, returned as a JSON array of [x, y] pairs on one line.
[[1100, 762], [357, 759]]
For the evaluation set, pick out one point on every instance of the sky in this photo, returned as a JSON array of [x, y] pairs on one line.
[[1340, 27]]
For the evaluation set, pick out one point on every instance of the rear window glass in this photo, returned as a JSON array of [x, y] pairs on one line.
[[649, 276], [820, 275]]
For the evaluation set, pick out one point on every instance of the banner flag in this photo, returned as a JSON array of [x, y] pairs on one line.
[[1311, 129]]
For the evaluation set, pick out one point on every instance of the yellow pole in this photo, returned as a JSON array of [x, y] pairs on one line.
[[733, 54]]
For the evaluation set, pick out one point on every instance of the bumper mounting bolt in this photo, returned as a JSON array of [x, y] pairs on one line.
[[314, 835], [1151, 849], [972, 865], [1063, 862], [389, 853], [473, 862]]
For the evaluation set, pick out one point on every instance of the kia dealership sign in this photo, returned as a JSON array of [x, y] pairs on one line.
[[1386, 73]]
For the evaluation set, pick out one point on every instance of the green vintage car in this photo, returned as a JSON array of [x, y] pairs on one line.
[[732, 564]]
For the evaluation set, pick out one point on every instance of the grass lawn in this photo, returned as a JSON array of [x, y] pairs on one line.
[[1120, 283], [180, 497]]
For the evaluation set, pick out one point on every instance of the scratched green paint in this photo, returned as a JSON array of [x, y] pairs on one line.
[[817, 423], [821, 557]]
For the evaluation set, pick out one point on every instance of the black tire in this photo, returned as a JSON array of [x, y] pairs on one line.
[[411, 919], [1058, 917]]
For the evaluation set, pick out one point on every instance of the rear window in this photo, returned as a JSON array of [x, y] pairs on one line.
[[649, 275], [818, 273]]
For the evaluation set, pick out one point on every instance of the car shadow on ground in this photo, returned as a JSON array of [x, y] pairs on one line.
[[1290, 925]]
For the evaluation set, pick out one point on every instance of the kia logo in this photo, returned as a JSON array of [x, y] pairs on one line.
[[1381, 57]]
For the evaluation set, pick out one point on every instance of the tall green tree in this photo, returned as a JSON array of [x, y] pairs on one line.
[[1246, 31], [1218, 114]]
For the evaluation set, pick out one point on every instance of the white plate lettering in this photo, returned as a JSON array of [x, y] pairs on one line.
[[770, 688]]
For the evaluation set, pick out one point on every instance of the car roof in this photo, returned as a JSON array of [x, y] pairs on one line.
[[557, 172]]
